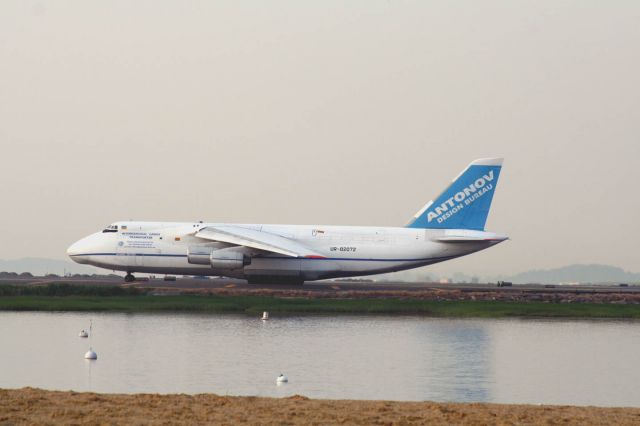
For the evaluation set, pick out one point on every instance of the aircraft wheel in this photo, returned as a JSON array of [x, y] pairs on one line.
[[129, 278]]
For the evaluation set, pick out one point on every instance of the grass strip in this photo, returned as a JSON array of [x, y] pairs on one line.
[[253, 305]]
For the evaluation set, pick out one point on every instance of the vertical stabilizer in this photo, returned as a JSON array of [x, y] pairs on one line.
[[466, 202]]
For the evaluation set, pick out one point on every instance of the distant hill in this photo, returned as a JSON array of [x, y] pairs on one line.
[[577, 273], [594, 274], [42, 266]]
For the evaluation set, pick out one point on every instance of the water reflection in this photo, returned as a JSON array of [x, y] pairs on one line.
[[406, 358], [459, 351]]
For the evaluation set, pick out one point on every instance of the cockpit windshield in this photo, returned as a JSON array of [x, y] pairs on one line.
[[111, 228]]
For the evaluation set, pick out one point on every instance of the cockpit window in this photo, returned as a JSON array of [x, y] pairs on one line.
[[111, 228]]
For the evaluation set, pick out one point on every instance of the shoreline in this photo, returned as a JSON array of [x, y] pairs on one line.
[[30, 405], [255, 305]]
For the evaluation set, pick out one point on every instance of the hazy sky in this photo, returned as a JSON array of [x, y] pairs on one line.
[[323, 112]]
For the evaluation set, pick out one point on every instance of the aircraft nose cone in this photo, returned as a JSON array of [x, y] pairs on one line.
[[74, 252], [80, 251], [73, 249]]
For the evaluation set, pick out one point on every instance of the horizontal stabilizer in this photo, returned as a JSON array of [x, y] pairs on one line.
[[466, 239]]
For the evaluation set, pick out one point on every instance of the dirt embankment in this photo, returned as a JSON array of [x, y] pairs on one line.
[[430, 294], [35, 406]]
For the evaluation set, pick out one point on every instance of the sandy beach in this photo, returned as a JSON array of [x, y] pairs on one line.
[[36, 406]]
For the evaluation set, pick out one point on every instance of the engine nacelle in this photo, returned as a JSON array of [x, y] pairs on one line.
[[199, 255], [227, 258]]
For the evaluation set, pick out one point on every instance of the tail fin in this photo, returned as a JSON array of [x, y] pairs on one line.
[[465, 203]]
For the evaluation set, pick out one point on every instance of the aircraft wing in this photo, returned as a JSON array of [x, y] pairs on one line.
[[256, 239]]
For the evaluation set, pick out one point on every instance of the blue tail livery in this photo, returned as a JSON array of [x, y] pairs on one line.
[[465, 203]]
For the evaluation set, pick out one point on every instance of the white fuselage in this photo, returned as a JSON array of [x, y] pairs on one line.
[[163, 248]]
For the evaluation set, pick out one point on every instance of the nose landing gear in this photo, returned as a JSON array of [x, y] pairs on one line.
[[129, 278]]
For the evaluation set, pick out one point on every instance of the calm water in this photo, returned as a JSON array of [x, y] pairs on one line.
[[357, 357]]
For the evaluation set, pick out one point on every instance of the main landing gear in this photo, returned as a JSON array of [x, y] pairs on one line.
[[129, 278]]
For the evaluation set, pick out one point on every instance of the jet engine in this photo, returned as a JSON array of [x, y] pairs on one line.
[[226, 258]]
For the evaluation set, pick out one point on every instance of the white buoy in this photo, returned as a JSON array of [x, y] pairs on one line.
[[83, 333], [282, 379], [265, 316], [90, 353]]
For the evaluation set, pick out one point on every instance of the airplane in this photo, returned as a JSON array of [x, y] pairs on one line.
[[447, 227]]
